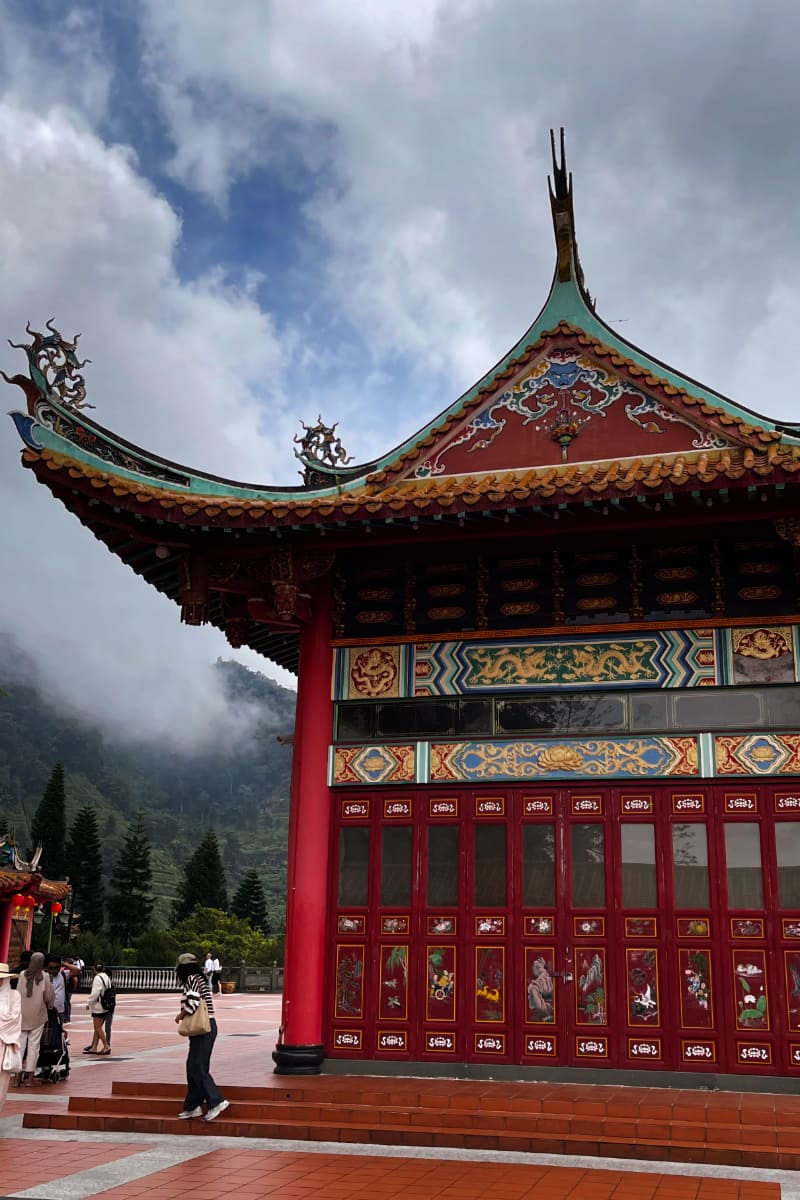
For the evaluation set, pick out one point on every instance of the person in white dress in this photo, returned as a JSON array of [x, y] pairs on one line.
[[10, 1030]]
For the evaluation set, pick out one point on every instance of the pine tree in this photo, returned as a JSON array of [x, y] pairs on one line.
[[250, 903], [49, 826], [130, 902], [203, 883], [85, 869]]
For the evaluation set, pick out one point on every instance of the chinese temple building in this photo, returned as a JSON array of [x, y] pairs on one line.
[[545, 805], [23, 889]]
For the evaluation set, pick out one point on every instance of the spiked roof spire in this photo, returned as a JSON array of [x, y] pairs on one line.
[[568, 265]]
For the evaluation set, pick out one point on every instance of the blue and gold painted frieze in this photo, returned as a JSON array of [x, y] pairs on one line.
[[705, 756], [567, 758], [669, 658], [508, 760]]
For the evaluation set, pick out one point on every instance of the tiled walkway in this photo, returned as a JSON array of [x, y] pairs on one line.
[[48, 1165]]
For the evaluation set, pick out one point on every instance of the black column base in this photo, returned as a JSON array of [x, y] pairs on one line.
[[298, 1060]]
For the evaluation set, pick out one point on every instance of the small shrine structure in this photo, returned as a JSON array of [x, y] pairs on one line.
[[545, 806], [23, 889]]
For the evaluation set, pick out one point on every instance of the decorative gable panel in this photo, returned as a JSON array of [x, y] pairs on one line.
[[567, 408]]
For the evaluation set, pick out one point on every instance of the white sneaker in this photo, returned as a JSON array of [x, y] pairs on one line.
[[190, 1112], [217, 1109]]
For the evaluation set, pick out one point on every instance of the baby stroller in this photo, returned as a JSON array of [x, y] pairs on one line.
[[53, 1064]]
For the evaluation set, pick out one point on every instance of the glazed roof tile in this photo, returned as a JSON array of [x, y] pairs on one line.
[[380, 497], [42, 889]]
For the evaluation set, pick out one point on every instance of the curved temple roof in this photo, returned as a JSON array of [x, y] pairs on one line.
[[572, 414]]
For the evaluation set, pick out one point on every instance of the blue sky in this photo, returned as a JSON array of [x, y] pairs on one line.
[[258, 211]]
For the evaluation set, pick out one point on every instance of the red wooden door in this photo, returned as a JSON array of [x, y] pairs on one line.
[[631, 927]]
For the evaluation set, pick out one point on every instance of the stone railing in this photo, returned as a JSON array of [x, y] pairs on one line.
[[163, 979]]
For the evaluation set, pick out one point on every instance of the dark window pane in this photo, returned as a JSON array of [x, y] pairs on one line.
[[416, 718], [787, 844], [396, 866], [649, 710], [354, 722], [783, 707], [354, 866], [725, 709], [639, 866], [690, 866], [396, 720], [442, 889], [538, 866], [474, 716], [743, 862], [490, 866], [588, 861], [438, 717], [562, 714]]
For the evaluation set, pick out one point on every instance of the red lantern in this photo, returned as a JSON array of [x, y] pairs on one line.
[[30, 902], [55, 909], [18, 900]]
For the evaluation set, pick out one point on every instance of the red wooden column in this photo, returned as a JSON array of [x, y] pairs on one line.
[[6, 913], [300, 1050]]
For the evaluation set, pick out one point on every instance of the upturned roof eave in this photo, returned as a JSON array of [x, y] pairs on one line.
[[403, 499]]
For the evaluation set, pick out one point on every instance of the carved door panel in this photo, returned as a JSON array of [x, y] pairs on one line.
[[693, 915], [783, 807], [441, 973], [491, 959], [566, 1000], [540, 988], [641, 932], [585, 888]]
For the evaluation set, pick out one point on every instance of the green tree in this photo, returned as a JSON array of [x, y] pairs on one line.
[[84, 863], [130, 901], [203, 883], [49, 826], [249, 903], [229, 937], [157, 948]]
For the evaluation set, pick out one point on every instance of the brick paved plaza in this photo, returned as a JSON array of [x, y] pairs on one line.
[[52, 1164]]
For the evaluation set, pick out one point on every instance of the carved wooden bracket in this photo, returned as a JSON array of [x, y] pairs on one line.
[[788, 528], [287, 573], [272, 588], [194, 590]]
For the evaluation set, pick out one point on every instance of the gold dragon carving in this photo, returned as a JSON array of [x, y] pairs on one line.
[[568, 664]]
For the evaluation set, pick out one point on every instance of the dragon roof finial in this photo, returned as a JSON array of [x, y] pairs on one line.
[[54, 370], [320, 448]]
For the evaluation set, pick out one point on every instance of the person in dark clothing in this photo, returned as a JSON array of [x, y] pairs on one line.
[[201, 1088]]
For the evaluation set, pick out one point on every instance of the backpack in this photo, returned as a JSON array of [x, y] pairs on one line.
[[108, 996]]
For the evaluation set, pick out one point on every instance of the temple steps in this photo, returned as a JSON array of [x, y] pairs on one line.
[[753, 1130]]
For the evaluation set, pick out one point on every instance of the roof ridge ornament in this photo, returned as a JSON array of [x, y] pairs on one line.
[[54, 370], [321, 452], [568, 265]]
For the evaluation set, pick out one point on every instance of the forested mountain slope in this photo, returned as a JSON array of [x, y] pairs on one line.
[[236, 781]]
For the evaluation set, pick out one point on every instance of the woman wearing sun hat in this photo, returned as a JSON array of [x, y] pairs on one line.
[[201, 1087], [10, 1030]]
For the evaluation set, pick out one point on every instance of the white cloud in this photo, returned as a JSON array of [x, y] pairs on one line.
[[420, 132], [181, 368], [432, 119]]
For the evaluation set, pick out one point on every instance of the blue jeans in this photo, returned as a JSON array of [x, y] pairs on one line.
[[201, 1086]]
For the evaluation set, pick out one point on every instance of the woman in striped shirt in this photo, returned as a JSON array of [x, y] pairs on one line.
[[201, 1087]]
